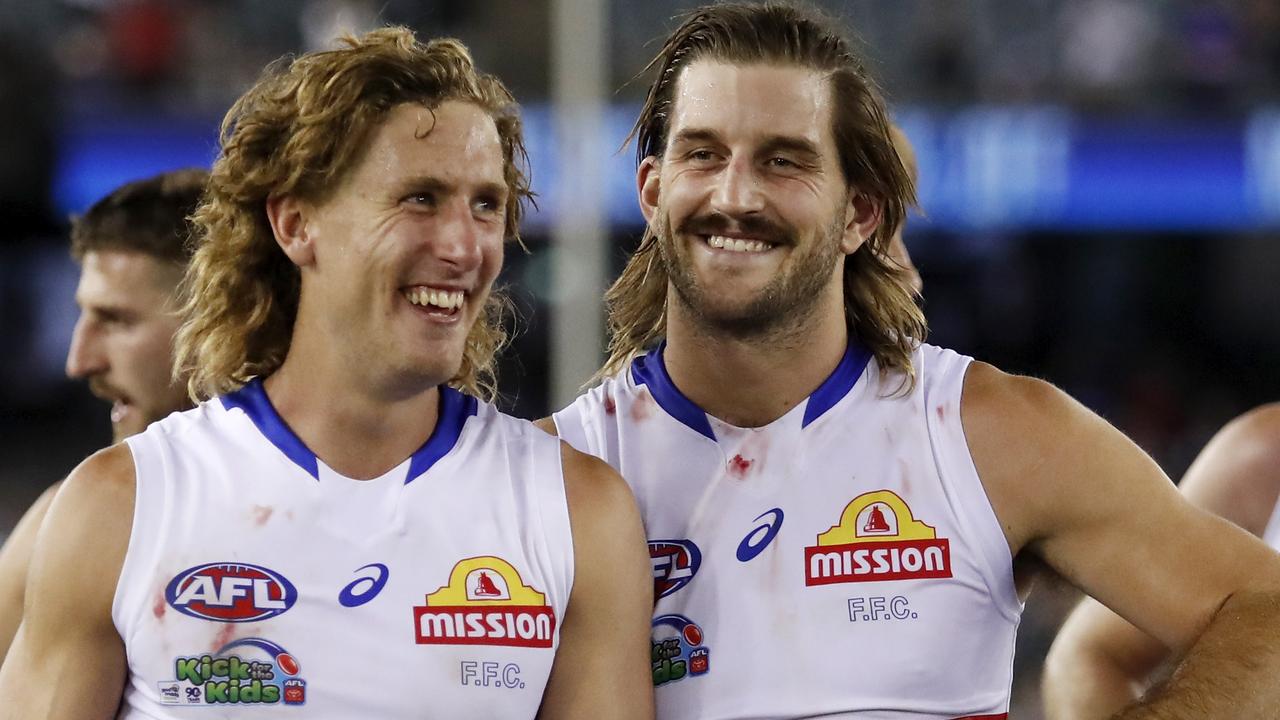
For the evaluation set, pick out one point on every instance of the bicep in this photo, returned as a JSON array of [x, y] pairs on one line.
[[67, 660], [15, 557], [1083, 497], [606, 625]]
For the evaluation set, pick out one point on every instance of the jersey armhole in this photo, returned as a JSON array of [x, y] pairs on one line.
[[133, 590], [957, 469]]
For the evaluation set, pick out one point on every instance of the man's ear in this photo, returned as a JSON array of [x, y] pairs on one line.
[[861, 218], [648, 186], [288, 218]]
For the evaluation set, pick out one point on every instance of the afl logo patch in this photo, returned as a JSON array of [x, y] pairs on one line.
[[675, 562], [230, 592]]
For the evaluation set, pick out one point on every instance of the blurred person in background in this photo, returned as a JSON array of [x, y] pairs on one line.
[[1100, 664], [833, 531], [132, 247], [343, 526]]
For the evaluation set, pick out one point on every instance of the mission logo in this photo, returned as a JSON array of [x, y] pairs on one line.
[[485, 602], [877, 539]]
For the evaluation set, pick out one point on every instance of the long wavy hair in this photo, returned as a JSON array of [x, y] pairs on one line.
[[296, 132], [880, 306]]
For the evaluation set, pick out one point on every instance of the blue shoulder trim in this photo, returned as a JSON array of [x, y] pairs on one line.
[[253, 400], [650, 370], [838, 384]]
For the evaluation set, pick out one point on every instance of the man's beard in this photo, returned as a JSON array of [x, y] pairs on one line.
[[780, 309]]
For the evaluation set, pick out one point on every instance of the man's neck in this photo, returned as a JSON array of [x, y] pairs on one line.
[[359, 430], [750, 382]]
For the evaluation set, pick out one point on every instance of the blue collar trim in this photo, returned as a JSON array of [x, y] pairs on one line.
[[838, 383], [651, 370], [455, 408]]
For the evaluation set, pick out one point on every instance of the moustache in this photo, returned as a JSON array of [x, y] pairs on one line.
[[104, 390], [715, 223]]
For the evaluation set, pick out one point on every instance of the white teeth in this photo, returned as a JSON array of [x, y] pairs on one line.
[[735, 245], [447, 299]]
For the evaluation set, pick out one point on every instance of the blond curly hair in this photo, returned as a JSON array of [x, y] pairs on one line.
[[880, 306], [296, 132]]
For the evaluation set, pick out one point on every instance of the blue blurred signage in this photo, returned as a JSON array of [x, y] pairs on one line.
[[983, 168]]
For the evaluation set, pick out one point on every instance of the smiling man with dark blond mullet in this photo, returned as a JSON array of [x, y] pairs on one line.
[[844, 519]]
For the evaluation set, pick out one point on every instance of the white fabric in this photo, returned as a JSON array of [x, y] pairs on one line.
[[214, 489], [774, 645]]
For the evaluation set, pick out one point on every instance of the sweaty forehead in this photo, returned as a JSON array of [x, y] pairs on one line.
[[456, 139], [125, 278], [744, 101]]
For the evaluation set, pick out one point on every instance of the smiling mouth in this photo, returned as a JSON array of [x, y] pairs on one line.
[[434, 300], [738, 245]]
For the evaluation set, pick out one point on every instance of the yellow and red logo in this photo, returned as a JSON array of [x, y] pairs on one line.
[[485, 603], [877, 539]]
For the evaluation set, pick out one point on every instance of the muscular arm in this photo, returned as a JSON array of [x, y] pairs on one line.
[[1073, 491], [606, 627], [15, 557], [1099, 663], [67, 661]]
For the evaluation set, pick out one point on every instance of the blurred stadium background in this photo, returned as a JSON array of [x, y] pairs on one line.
[[1100, 182]]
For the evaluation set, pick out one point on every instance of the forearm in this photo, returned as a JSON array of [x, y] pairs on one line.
[[1084, 683], [1231, 672]]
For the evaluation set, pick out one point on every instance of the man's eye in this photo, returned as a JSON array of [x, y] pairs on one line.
[[488, 205], [781, 162], [428, 199]]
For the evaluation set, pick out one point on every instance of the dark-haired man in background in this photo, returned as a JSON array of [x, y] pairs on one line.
[[132, 247]]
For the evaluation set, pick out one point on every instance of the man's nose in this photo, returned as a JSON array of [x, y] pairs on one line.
[[738, 190], [85, 357]]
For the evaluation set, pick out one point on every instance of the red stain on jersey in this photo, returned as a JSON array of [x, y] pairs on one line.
[[739, 466], [642, 408], [160, 607], [942, 416], [610, 407], [261, 514], [223, 637]]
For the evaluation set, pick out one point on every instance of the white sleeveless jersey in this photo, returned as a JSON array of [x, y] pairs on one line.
[[843, 561], [260, 583]]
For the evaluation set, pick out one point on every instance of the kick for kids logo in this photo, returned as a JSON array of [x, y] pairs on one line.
[[877, 539], [485, 603], [244, 672]]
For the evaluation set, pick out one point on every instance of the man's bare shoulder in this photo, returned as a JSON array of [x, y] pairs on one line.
[[546, 425], [1030, 442], [1257, 433], [592, 486]]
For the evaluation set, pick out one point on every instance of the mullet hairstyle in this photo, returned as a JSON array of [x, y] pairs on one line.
[[296, 132], [880, 307]]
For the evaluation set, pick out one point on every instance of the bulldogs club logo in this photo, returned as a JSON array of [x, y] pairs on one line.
[[485, 602], [877, 539]]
